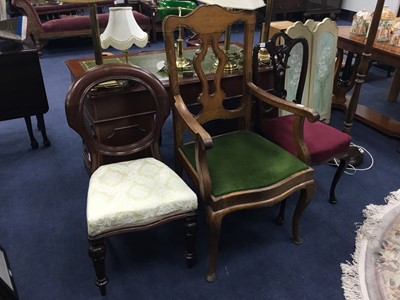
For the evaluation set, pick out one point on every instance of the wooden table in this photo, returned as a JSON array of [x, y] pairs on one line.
[[382, 52], [232, 81], [100, 112]]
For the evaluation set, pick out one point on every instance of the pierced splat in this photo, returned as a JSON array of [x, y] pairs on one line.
[[279, 48], [212, 96]]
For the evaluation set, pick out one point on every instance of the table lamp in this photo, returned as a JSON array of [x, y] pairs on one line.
[[180, 8], [122, 31], [241, 5]]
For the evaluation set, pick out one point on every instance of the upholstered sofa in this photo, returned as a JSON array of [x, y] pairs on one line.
[[71, 26]]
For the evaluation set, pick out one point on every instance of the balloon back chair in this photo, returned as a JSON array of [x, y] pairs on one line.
[[323, 142], [236, 169], [132, 194]]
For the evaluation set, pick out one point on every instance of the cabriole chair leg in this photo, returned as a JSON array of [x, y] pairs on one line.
[[339, 172], [214, 227], [302, 203]]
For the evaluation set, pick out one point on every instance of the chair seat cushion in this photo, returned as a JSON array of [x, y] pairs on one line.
[[134, 193], [323, 141], [244, 160]]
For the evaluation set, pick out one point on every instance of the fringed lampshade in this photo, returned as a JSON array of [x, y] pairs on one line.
[[123, 31]]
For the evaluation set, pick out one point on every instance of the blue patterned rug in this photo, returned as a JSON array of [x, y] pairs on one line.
[[374, 272]]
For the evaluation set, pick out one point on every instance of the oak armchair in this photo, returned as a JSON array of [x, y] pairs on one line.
[[236, 169]]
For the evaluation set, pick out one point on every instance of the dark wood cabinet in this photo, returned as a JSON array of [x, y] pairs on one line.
[[308, 7], [331, 7], [22, 88], [280, 6]]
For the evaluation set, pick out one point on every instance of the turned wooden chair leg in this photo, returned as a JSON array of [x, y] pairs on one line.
[[28, 122], [97, 252], [42, 128], [302, 203], [214, 226], [191, 231], [339, 172]]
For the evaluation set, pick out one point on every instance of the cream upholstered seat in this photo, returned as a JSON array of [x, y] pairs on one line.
[[136, 192], [119, 111]]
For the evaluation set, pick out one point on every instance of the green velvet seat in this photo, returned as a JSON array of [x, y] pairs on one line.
[[230, 170]]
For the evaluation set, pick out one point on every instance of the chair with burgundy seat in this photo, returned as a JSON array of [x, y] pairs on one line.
[[73, 26], [322, 142]]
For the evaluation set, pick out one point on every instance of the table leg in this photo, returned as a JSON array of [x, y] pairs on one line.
[[395, 87], [28, 122]]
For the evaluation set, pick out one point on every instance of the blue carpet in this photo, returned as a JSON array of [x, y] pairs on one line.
[[43, 230]]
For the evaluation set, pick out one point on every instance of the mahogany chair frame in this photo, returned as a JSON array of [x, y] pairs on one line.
[[279, 47], [147, 145]]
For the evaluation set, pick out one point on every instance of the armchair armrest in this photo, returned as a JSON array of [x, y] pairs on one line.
[[192, 125], [300, 112], [203, 142]]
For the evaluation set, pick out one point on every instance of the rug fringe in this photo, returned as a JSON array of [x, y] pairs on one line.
[[350, 270]]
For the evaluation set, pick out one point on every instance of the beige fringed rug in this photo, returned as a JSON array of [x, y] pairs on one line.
[[374, 272]]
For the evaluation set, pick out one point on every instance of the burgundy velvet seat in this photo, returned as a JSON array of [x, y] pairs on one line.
[[323, 141]]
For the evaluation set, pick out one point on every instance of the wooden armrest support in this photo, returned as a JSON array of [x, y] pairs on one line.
[[192, 125], [203, 142]]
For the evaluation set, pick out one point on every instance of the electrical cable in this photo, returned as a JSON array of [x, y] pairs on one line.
[[351, 170]]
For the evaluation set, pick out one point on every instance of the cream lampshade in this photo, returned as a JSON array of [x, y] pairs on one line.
[[231, 4], [122, 31]]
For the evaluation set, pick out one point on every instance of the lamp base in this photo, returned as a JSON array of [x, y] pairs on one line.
[[231, 64], [264, 57], [182, 63]]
